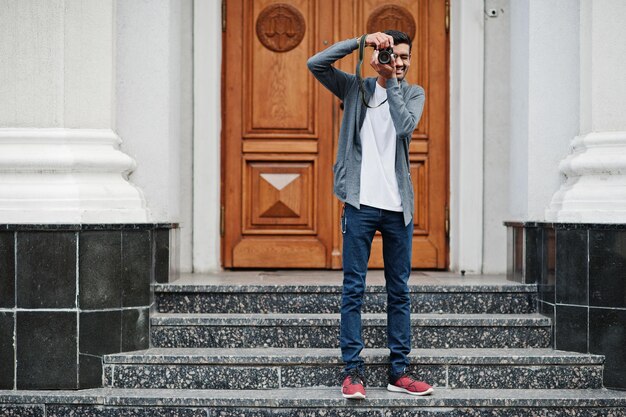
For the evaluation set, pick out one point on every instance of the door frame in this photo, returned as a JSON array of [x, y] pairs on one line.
[[466, 115]]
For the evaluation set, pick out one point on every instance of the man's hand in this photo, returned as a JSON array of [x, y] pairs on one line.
[[384, 70], [379, 40]]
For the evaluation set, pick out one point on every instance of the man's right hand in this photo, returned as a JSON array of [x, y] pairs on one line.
[[379, 40]]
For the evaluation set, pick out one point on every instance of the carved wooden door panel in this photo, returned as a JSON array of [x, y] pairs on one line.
[[277, 136], [280, 129]]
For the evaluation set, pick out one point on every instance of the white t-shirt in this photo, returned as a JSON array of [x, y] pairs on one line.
[[379, 185]]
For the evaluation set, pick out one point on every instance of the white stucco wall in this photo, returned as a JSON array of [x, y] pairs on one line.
[[466, 135], [518, 180], [497, 132], [207, 130], [545, 91], [186, 136]]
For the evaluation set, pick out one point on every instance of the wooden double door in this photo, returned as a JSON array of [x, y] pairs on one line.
[[280, 129]]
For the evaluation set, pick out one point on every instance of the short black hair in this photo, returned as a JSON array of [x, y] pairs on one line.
[[399, 37]]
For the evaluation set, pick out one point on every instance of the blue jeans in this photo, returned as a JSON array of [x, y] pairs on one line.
[[358, 227]]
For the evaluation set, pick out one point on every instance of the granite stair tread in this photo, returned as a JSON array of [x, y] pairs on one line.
[[288, 330], [306, 292], [274, 319], [253, 356], [287, 287], [321, 397], [320, 280], [267, 368]]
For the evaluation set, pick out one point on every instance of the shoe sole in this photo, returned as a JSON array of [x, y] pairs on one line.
[[355, 396], [394, 388]]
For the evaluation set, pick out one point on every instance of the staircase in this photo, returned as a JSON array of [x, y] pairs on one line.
[[266, 344]]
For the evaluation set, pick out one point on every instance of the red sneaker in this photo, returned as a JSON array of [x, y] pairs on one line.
[[353, 386], [409, 385]]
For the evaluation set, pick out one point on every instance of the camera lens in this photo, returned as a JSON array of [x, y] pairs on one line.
[[384, 56]]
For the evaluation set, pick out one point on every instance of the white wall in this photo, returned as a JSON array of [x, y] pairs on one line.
[[207, 129], [497, 131], [466, 135], [186, 137], [518, 185]]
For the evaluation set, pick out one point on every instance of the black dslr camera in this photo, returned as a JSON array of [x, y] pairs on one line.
[[385, 56]]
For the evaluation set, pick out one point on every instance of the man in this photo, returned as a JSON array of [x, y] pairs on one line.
[[372, 179]]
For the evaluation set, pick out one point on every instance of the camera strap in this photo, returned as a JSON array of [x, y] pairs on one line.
[[359, 76]]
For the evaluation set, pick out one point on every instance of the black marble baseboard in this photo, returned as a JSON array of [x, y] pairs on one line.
[[70, 294], [580, 271]]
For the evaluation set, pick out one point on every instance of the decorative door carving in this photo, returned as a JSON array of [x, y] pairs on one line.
[[280, 129]]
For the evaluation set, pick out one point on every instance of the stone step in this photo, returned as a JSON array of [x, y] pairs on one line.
[[268, 368], [314, 402], [295, 293], [322, 330]]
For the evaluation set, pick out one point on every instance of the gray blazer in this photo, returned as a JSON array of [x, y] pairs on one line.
[[406, 103]]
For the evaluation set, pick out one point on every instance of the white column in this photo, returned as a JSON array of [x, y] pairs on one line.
[[593, 189], [544, 100], [497, 128], [59, 155], [66, 176], [150, 100], [207, 130], [466, 135]]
